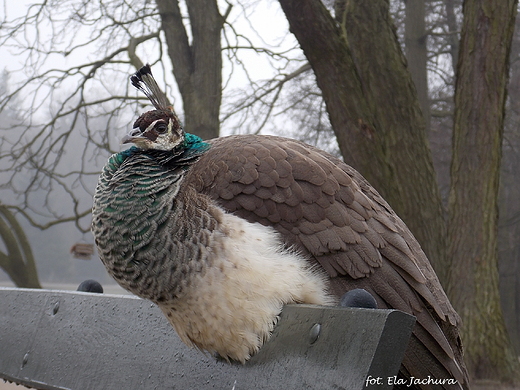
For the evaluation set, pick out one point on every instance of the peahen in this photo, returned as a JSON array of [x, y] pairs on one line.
[[221, 234]]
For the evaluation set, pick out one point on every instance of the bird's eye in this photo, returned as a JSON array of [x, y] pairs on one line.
[[161, 128]]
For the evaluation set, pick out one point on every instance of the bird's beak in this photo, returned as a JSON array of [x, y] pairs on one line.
[[133, 136]]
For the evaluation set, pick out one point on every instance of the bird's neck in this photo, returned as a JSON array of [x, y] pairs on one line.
[[138, 196], [184, 154]]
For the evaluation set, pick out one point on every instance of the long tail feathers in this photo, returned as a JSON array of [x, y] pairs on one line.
[[143, 80]]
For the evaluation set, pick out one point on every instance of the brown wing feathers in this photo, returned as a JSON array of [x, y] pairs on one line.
[[327, 209]]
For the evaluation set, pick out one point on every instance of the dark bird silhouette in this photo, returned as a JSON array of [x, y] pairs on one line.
[[221, 234]]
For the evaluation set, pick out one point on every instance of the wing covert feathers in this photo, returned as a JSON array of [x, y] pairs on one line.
[[328, 210]]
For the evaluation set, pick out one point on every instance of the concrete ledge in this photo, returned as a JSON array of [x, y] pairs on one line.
[[71, 340]]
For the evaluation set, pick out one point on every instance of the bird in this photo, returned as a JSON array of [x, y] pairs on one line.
[[221, 234]]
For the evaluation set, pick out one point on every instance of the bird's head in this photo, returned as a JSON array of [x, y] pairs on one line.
[[158, 129]]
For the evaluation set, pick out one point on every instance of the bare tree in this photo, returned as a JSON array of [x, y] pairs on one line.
[[386, 143], [197, 66], [17, 261], [41, 154], [344, 69], [89, 98], [509, 207], [480, 99], [416, 39]]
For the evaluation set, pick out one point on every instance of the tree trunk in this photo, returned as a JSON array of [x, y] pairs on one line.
[[18, 261], [196, 67], [509, 207], [373, 109], [415, 40], [480, 98], [454, 36]]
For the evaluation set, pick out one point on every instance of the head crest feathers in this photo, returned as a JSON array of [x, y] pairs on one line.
[[144, 81]]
